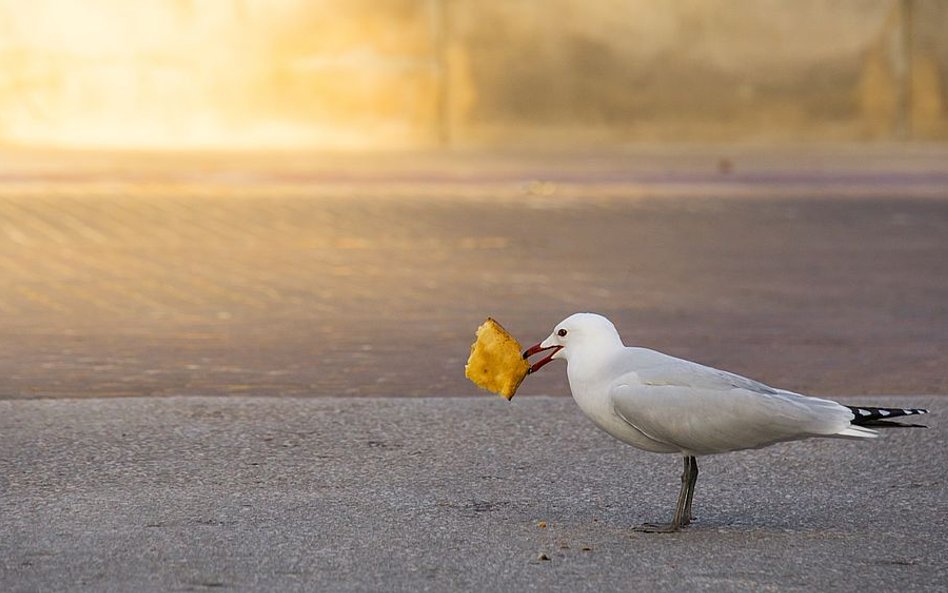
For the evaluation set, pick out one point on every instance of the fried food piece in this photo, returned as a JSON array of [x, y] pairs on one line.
[[496, 363]]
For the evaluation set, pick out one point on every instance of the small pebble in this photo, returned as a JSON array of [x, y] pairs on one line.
[[586, 549], [542, 556], [542, 524]]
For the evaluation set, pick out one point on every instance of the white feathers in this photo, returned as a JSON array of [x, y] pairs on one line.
[[859, 432], [664, 404]]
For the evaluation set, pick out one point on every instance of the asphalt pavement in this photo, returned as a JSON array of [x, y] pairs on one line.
[[445, 494], [227, 372], [818, 269]]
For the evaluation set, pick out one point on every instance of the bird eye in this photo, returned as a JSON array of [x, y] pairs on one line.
[[561, 333]]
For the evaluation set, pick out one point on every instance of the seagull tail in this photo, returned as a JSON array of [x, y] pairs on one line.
[[857, 432], [880, 417]]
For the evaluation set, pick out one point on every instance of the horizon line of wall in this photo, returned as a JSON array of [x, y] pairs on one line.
[[424, 73]]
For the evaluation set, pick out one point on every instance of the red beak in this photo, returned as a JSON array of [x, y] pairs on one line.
[[536, 349]]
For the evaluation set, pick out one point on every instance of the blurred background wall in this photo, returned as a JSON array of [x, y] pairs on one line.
[[423, 73]]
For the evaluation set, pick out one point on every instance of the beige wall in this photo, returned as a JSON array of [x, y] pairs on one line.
[[408, 73]]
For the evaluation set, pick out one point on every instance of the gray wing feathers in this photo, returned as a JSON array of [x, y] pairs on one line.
[[704, 410], [675, 371]]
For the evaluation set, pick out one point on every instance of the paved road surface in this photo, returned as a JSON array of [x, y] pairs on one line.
[[823, 270], [820, 270], [442, 494]]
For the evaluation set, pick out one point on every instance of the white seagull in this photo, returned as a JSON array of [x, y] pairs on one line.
[[664, 404]]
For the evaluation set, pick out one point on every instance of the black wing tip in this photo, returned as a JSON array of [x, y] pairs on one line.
[[888, 424], [874, 416]]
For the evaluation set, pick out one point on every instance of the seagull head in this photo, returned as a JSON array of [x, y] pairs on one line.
[[580, 331]]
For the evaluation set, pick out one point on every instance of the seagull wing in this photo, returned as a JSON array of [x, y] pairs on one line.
[[703, 410]]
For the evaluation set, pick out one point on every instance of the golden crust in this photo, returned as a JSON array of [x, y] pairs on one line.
[[496, 363]]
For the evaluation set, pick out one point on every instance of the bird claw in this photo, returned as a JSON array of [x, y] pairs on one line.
[[654, 528]]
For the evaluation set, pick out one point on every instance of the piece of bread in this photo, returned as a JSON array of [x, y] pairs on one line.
[[496, 362]]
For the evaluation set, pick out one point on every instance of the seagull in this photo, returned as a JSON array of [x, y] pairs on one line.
[[664, 404]]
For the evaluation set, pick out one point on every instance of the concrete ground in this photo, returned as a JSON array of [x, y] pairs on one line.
[[445, 494], [204, 362], [823, 270]]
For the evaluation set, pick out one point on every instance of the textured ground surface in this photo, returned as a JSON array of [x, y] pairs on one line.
[[445, 494], [820, 270], [168, 278]]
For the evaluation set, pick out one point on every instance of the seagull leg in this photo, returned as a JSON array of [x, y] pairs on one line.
[[689, 476], [692, 480]]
